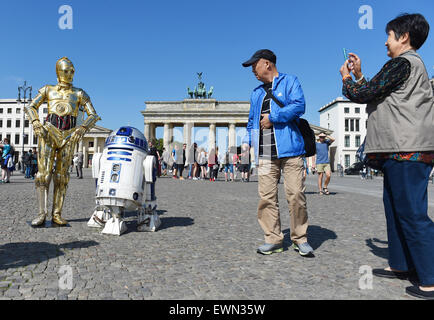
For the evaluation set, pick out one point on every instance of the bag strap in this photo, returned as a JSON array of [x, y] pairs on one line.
[[280, 104]]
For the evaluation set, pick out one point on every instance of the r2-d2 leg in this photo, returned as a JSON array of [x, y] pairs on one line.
[[99, 217], [148, 218], [115, 225]]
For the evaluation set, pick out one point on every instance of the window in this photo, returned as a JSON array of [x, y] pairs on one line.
[[8, 136], [1, 110], [17, 123], [18, 111], [1, 137], [357, 125], [346, 125], [357, 141], [90, 144], [347, 141], [45, 110], [17, 139], [26, 138], [8, 123], [351, 124], [347, 160], [346, 110], [357, 110], [1, 123], [26, 123], [35, 139], [9, 110]]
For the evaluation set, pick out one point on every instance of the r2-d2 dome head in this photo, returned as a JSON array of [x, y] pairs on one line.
[[127, 137]]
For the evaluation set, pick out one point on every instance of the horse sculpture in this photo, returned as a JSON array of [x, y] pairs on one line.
[[210, 92], [200, 90], [190, 93]]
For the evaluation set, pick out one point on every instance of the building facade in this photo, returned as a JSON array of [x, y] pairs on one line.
[[93, 142], [15, 126], [348, 121]]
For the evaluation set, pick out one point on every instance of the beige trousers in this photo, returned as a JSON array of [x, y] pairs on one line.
[[269, 172]]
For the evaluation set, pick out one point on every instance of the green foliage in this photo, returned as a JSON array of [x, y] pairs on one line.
[[159, 144]]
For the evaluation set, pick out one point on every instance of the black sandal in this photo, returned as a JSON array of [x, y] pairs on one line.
[[326, 191]]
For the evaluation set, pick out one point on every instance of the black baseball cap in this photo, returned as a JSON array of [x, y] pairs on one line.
[[263, 53]]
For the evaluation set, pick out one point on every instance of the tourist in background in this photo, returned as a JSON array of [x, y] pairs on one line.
[[202, 163], [212, 163], [34, 162], [245, 163], [153, 151], [229, 167], [321, 162], [6, 159], [165, 161], [175, 158], [28, 164], [79, 165], [235, 162], [183, 159]]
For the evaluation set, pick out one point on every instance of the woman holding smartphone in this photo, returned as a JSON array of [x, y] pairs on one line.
[[400, 136]]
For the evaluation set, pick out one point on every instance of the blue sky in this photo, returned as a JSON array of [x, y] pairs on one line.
[[127, 52]]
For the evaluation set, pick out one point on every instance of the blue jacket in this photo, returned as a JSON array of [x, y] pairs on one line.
[[289, 141]]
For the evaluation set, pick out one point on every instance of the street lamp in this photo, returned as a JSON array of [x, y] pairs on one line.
[[23, 89]]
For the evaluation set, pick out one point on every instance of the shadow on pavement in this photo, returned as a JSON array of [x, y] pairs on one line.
[[171, 222], [21, 254], [316, 236], [375, 249]]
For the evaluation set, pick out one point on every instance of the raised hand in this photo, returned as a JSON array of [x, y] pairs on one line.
[[357, 65]]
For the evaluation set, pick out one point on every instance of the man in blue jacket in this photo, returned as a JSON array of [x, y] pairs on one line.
[[279, 147]]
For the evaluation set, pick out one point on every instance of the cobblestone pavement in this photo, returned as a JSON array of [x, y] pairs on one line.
[[205, 248]]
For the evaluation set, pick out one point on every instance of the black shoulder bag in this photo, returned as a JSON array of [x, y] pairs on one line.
[[305, 130], [376, 164]]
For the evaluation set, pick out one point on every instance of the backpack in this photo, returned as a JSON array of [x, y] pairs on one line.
[[305, 130], [10, 163]]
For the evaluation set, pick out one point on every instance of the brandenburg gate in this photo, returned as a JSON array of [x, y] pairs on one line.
[[190, 113], [200, 110]]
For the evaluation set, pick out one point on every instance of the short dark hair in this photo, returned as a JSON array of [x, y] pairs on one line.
[[416, 26]]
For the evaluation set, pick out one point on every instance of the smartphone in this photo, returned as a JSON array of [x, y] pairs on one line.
[[347, 57]]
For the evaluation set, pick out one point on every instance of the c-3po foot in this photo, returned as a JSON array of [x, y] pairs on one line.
[[57, 219], [39, 220]]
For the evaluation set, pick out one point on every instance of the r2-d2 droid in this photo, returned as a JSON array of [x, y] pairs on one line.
[[126, 182]]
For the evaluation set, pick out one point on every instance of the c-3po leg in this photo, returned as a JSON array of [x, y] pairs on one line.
[[60, 180], [43, 178]]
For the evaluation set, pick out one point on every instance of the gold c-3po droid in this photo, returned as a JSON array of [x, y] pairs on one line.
[[58, 136]]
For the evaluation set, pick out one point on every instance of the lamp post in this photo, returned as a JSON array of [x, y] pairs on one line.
[[23, 89]]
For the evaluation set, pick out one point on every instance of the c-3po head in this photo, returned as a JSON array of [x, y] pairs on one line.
[[65, 70]]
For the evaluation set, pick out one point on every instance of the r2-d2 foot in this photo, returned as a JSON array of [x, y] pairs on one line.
[[148, 218], [99, 217], [115, 225]]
